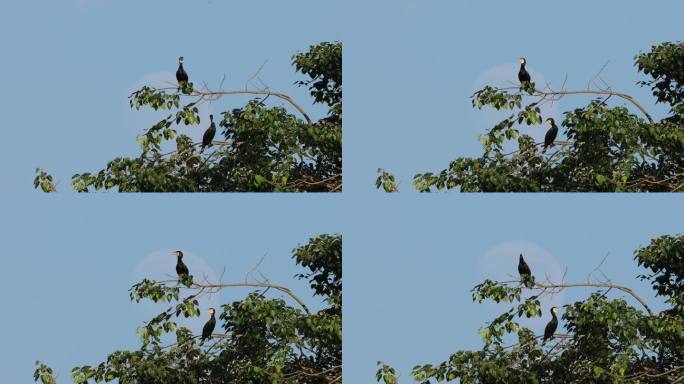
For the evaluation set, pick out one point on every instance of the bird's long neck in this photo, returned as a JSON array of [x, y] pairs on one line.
[[553, 315], [180, 65], [522, 66]]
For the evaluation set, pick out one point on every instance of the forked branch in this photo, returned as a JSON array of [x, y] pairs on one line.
[[281, 96], [597, 285], [558, 94], [258, 285]]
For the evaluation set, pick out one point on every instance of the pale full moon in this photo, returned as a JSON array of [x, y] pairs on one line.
[[141, 120], [501, 263], [504, 76], [161, 266]]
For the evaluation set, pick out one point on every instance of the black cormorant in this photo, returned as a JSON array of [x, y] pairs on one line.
[[550, 134], [524, 271], [523, 75], [208, 134], [181, 268], [551, 326], [181, 75], [209, 326]]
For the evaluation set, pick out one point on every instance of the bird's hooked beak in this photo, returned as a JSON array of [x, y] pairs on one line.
[[180, 60], [211, 311], [555, 309], [522, 60]]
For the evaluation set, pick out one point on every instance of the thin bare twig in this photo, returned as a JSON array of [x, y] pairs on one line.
[[624, 96], [260, 285], [600, 285]]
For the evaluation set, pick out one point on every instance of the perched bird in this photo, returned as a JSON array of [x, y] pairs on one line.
[[181, 75], [209, 326], [524, 271], [208, 134], [550, 134], [181, 268], [551, 326], [523, 75]]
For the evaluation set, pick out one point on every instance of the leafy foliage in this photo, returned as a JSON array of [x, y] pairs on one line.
[[665, 258], [323, 257], [44, 181], [262, 149], [323, 64], [665, 64], [257, 340], [386, 373], [44, 374], [609, 148], [606, 340], [386, 181]]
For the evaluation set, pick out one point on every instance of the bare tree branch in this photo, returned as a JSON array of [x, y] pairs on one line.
[[259, 285], [598, 285], [559, 94]]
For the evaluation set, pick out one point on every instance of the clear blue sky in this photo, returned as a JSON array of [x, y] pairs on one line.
[[410, 264], [68, 262], [409, 69], [68, 67]]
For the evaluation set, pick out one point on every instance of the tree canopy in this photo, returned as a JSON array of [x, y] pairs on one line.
[[608, 148], [606, 340], [259, 148], [257, 339]]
